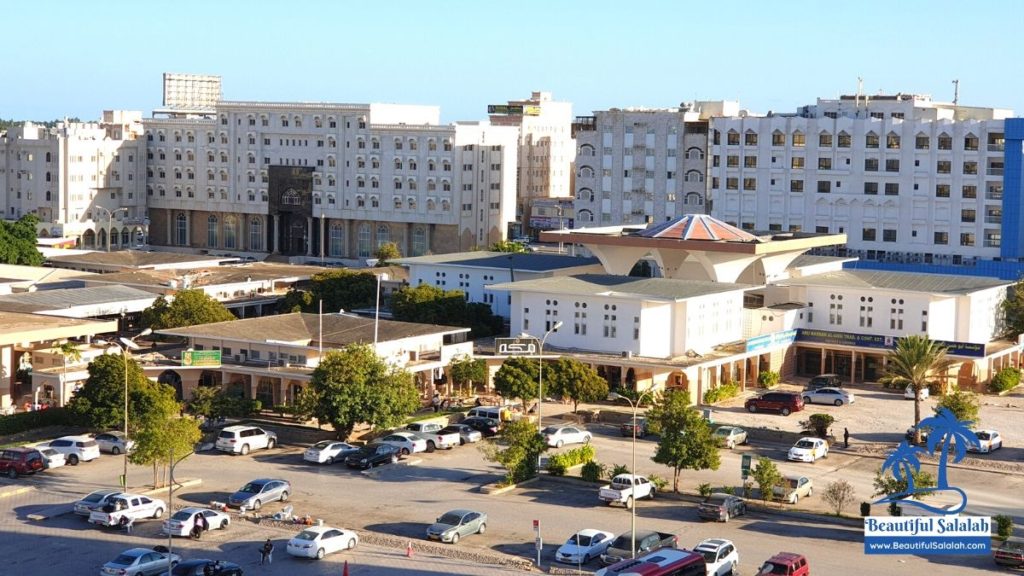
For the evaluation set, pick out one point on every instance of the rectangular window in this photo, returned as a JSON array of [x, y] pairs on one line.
[[796, 185], [968, 215], [798, 140], [970, 143], [732, 161], [824, 163], [888, 235], [892, 188], [945, 142], [970, 167], [824, 140], [871, 164], [824, 186], [750, 161], [835, 314], [733, 139], [778, 139], [871, 188], [750, 139], [732, 183], [845, 140], [967, 239], [969, 191], [944, 167], [922, 142], [868, 235], [797, 163], [892, 165], [942, 238], [750, 183], [942, 190], [892, 142], [871, 141]]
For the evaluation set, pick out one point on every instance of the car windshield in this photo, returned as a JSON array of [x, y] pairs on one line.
[[983, 436], [716, 500], [709, 557], [88, 444], [252, 488], [306, 535], [181, 515], [450, 519], [323, 445], [805, 444], [580, 540], [622, 542], [723, 431], [550, 430], [124, 560], [93, 498], [226, 434]]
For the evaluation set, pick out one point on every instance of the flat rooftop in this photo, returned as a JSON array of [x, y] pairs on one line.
[[621, 286], [135, 259], [532, 261], [46, 300], [17, 327], [949, 284]]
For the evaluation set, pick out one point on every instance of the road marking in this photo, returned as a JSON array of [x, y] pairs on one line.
[[15, 491]]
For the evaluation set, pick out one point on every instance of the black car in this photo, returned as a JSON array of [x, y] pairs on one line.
[[375, 455], [721, 507], [487, 426], [197, 567]]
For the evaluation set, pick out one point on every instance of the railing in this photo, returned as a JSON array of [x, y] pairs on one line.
[[994, 195], [993, 219], [993, 171], [996, 147]]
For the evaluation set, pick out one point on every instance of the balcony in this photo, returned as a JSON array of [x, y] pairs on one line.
[[991, 194], [996, 147], [993, 219], [993, 171]]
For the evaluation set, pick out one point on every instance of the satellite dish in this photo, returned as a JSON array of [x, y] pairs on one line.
[[129, 343]]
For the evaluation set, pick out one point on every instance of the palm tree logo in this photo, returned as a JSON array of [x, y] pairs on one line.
[[946, 433]]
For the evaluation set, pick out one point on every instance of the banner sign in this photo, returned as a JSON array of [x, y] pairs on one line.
[[885, 342], [200, 358], [766, 341]]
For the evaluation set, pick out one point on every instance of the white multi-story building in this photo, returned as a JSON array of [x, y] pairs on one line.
[[546, 150], [328, 179], [639, 165], [82, 179]]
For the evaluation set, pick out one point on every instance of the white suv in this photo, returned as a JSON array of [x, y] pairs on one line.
[[242, 439], [76, 448]]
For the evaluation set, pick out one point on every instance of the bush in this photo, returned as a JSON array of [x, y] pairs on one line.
[[818, 424], [659, 482], [768, 379], [618, 469], [722, 392], [1004, 526], [704, 490], [727, 490], [22, 421], [838, 494], [559, 463], [593, 471], [1005, 379]]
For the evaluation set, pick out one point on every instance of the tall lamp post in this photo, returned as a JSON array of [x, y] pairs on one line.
[[540, 373], [125, 347], [632, 520], [110, 220]]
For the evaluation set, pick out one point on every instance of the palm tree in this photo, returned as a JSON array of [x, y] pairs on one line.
[[903, 463], [68, 350], [916, 360], [948, 430]]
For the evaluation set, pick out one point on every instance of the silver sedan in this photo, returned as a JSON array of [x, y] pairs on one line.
[[833, 396]]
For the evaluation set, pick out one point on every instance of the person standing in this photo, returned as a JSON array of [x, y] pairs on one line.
[[201, 525], [846, 437], [436, 402], [267, 553]]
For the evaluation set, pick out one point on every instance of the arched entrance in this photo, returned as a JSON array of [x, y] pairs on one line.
[[209, 378], [173, 379], [101, 237], [89, 239], [265, 392]]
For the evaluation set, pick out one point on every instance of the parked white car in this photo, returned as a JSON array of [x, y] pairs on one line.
[[720, 556], [730, 436], [626, 488], [988, 441], [584, 546], [808, 449], [832, 396], [328, 452], [319, 541], [94, 501], [406, 442], [76, 448], [184, 521], [908, 392], [242, 439], [139, 562], [52, 458], [558, 436], [114, 442], [131, 506]]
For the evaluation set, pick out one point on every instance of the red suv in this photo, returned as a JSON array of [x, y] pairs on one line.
[[785, 564], [14, 461], [781, 402]]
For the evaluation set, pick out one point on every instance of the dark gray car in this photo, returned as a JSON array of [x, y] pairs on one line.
[[721, 507], [258, 492], [453, 525]]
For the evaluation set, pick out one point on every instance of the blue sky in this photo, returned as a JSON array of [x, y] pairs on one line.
[[75, 58]]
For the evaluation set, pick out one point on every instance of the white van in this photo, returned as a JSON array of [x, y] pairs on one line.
[[486, 412], [241, 439]]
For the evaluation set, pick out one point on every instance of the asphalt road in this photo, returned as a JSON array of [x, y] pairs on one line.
[[401, 500]]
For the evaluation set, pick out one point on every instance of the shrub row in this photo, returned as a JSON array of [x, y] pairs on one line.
[[22, 421], [559, 463], [768, 379], [1005, 379], [722, 392]]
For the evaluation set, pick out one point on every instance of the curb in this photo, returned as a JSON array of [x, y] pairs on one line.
[[62, 509], [15, 491], [374, 472], [495, 490]]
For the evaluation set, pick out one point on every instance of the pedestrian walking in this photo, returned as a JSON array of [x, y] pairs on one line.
[[846, 437], [436, 402], [267, 553], [200, 526]]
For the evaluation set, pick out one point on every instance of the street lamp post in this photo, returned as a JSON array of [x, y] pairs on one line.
[[540, 373], [376, 313], [125, 348], [632, 520], [110, 220]]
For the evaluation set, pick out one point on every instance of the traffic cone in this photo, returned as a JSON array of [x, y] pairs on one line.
[[344, 571], [408, 549]]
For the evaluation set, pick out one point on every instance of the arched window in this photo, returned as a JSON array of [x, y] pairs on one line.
[[398, 184], [585, 194], [585, 216], [230, 232], [363, 240], [431, 185], [181, 230], [48, 177], [211, 231], [431, 204], [431, 145], [693, 199], [256, 233], [412, 144], [419, 241], [694, 176], [586, 172], [446, 186], [411, 202], [398, 143], [48, 157], [586, 150], [694, 153], [446, 204], [383, 234], [318, 122], [397, 200], [374, 201], [411, 184], [298, 121], [398, 163], [337, 240]]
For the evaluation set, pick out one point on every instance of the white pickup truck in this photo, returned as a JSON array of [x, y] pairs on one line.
[[433, 434], [131, 506], [625, 488]]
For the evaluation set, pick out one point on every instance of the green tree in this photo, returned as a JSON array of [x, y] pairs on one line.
[[768, 478], [963, 405], [522, 449], [916, 360], [467, 370], [685, 440], [158, 429], [339, 289], [573, 379], [354, 385], [18, 242], [68, 351], [1013, 310], [913, 485], [188, 308], [203, 400], [296, 300], [510, 246], [386, 252], [100, 403], [428, 304], [517, 378]]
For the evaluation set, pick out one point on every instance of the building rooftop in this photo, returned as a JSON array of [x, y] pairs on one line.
[[697, 227], [532, 261], [805, 260], [953, 285], [621, 286], [214, 275], [135, 259], [300, 329], [16, 327], [47, 300]]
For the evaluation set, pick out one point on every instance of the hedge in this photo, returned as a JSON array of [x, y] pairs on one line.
[[1005, 379], [723, 392], [23, 421], [559, 463]]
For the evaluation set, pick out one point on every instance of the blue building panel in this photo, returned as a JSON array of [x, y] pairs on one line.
[[1003, 270], [1013, 205]]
